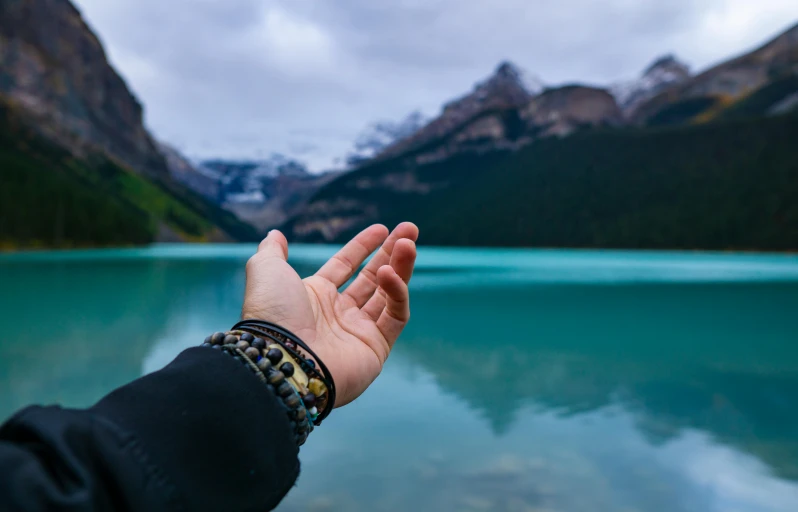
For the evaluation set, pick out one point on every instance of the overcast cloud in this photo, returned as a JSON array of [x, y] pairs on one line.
[[244, 78]]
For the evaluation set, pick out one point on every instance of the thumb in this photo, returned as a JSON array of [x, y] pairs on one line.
[[274, 245]]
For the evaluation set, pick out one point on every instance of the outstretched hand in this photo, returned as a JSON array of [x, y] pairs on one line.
[[353, 331]]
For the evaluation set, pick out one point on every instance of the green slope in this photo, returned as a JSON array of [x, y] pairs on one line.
[[715, 186], [49, 198]]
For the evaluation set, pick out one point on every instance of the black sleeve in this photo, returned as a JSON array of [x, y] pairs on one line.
[[202, 434]]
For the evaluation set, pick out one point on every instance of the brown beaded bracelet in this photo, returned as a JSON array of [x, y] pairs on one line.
[[286, 382]]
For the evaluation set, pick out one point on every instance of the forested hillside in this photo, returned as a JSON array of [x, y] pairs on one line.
[[724, 185], [50, 198]]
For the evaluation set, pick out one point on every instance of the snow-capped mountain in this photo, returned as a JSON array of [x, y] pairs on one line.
[[663, 73], [381, 134], [248, 181], [507, 88], [510, 71], [265, 192], [509, 85]]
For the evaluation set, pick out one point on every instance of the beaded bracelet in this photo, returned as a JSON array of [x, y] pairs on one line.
[[307, 395], [318, 381]]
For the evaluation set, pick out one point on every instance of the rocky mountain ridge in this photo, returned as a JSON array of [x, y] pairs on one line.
[[566, 109], [472, 120], [707, 94], [382, 134], [508, 110], [247, 181], [263, 193], [665, 72], [500, 118], [504, 113]]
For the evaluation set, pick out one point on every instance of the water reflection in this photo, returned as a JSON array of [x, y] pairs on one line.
[[720, 358], [73, 330], [649, 383], [411, 445], [638, 397]]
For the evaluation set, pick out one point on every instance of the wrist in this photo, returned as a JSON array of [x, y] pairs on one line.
[[285, 364]]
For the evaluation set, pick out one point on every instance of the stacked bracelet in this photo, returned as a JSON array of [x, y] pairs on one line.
[[276, 357], [314, 376]]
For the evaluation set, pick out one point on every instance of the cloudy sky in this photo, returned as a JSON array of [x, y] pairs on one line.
[[244, 78]]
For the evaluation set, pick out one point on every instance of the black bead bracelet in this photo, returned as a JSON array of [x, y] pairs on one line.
[[275, 380], [274, 356], [320, 384]]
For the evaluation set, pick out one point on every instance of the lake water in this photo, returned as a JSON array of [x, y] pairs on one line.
[[526, 380]]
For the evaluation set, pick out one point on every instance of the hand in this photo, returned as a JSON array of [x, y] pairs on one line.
[[352, 332]]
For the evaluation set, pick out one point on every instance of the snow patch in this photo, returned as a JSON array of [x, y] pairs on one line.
[[381, 134], [665, 72]]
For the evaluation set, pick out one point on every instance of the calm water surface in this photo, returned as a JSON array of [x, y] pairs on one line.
[[526, 381]]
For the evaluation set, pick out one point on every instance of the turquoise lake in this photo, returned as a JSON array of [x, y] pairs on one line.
[[527, 380]]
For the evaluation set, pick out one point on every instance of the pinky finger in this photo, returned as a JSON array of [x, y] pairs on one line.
[[397, 304]]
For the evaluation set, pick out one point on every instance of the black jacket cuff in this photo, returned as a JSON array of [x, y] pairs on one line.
[[218, 434]]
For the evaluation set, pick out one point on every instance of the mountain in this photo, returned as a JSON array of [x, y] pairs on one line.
[[710, 93], [75, 146], [247, 181], [662, 74], [51, 198], [486, 116], [719, 186], [670, 160], [705, 163], [55, 69], [263, 193], [382, 134], [564, 110], [505, 112], [501, 115], [199, 179]]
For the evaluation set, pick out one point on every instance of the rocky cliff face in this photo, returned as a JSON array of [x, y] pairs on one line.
[[190, 175], [73, 132], [706, 94], [478, 117], [504, 113], [53, 68], [563, 110]]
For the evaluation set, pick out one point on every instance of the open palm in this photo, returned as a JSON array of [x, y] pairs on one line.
[[352, 331]]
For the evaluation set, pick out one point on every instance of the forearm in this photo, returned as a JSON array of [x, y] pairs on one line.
[[202, 434]]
